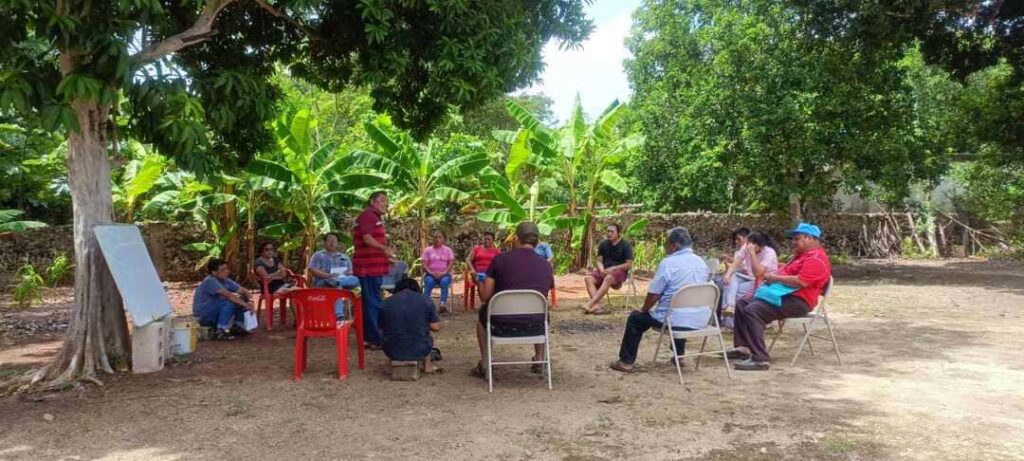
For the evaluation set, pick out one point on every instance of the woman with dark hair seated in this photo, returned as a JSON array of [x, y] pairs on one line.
[[270, 268], [407, 319], [753, 260]]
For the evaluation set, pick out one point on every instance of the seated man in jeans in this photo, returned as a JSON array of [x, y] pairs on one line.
[[680, 268], [518, 269], [219, 302], [407, 318], [331, 267]]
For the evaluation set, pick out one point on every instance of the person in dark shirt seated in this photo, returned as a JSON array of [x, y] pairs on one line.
[[615, 259], [407, 318], [518, 269]]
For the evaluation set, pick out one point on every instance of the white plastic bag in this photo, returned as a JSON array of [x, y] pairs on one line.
[[250, 321]]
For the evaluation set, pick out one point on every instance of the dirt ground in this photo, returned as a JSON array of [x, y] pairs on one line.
[[931, 369]]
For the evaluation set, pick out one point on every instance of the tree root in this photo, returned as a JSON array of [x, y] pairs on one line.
[[33, 381]]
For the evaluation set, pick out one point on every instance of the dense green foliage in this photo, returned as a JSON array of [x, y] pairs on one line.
[[745, 111], [747, 105]]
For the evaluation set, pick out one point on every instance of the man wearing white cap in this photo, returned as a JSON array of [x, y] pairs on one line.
[[791, 292]]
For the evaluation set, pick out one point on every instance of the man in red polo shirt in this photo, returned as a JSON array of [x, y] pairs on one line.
[[370, 262], [804, 278]]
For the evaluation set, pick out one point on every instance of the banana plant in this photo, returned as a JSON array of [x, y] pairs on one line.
[[423, 176], [214, 249], [9, 222], [309, 179], [513, 212], [583, 158], [141, 174]]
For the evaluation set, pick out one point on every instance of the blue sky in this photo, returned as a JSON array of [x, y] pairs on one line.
[[595, 71]]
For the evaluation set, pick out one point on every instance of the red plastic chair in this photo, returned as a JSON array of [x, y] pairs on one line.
[[267, 299], [469, 289], [316, 319]]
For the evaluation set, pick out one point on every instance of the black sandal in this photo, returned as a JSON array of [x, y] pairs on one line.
[[222, 335], [478, 371]]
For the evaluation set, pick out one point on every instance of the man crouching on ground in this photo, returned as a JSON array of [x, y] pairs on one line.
[[407, 319]]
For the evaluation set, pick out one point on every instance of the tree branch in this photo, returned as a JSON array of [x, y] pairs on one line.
[[290, 20], [201, 30]]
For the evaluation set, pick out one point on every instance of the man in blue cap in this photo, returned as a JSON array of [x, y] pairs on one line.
[[795, 287]]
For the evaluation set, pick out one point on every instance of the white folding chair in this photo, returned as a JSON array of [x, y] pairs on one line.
[[517, 302], [629, 290], [699, 295], [809, 321]]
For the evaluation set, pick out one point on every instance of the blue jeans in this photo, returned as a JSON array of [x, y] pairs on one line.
[[638, 323], [345, 281], [429, 282], [370, 287], [220, 315]]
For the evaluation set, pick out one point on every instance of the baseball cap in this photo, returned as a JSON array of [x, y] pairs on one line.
[[805, 228]]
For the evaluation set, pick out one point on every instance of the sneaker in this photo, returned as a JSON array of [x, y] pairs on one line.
[[239, 331], [750, 365]]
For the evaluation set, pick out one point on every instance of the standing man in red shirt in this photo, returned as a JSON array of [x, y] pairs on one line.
[[371, 261], [804, 278]]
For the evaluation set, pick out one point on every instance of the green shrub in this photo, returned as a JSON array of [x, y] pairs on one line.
[[58, 270], [909, 250], [647, 255], [29, 287]]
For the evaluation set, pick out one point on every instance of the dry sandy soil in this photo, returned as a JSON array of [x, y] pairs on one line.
[[931, 369]]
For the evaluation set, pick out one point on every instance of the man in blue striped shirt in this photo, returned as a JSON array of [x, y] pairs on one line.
[[680, 268]]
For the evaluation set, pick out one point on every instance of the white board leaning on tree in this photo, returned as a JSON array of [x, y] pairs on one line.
[[134, 273]]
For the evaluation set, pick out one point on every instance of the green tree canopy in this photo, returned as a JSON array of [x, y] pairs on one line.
[[745, 109]]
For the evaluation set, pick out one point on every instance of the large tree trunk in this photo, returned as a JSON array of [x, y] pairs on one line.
[[794, 208], [97, 338]]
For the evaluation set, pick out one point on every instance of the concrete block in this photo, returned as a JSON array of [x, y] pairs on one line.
[[405, 370]]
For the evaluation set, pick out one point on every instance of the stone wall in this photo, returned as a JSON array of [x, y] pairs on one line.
[[164, 241], [856, 235]]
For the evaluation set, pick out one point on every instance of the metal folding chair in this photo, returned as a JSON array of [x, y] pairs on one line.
[[629, 290], [517, 302], [817, 316], [701, 295]]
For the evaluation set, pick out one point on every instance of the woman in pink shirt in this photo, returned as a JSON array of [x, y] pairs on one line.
[[437, 261], [755, 259]]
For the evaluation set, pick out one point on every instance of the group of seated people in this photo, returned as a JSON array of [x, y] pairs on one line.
[[755, 290]]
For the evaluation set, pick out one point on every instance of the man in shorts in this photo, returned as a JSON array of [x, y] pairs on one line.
[[615, 258]]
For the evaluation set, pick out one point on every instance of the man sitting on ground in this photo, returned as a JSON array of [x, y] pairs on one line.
[[799, 283], [680, 268], [331, 267], [220, 303], [518, 269], [615, 258], [407, 318]]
